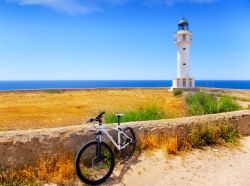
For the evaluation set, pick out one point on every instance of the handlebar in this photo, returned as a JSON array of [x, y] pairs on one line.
[[97, 118]]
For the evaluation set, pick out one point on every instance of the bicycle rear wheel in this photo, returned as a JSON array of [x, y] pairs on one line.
[[94, 163], [129, 150]]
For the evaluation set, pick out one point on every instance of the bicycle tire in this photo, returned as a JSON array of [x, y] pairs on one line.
[[128, 151], [83, 177]]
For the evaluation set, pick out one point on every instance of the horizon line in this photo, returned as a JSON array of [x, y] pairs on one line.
[[126, 80]]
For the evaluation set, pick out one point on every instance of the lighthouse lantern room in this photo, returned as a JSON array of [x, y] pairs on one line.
[[183, 40]]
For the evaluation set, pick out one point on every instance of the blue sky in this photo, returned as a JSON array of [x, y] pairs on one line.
[[121, 39]]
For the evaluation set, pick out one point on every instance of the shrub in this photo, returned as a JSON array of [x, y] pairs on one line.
[[203, 103], [177, 92], [227, 103], [54, 91], [198, 136], [172, 145], [139, 114], [207, 135], [149, 141], [53, 168], [211, 134], [229, 134]]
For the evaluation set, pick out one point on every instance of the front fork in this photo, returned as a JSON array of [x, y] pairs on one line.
[[98, 147]]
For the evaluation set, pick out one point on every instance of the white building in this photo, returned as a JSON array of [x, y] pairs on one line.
[[183, 40]]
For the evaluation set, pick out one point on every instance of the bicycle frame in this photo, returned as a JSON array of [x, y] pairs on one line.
[[102, 129]]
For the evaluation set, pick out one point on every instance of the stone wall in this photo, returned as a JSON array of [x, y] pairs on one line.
[[18, 148]]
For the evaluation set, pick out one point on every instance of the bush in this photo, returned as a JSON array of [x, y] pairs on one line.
[[197, 137], [204, 136], [138, 114], [177, 92], [52, 168], [203, 103], [229, 134], [211, 134], [227, 104], [55, 91]]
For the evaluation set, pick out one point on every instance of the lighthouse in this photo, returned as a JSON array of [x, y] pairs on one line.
[[183, 40]]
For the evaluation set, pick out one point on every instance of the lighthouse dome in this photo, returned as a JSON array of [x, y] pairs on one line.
[[183, 24], [183, 21]]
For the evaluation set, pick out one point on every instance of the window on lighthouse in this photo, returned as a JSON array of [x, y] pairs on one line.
[[184, 37]]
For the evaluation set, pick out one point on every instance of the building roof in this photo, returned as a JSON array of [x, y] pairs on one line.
[[183, 21]]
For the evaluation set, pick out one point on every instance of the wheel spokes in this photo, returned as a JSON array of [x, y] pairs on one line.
[[94, 167]]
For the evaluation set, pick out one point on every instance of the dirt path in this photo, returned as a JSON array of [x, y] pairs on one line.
[[213, 166]]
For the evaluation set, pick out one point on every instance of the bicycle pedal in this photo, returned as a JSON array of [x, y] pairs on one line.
[[125, 158]]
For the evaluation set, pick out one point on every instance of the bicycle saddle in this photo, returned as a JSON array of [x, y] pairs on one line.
[[119, 114]]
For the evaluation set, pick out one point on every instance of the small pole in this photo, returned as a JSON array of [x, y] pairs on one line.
[[118, 119]]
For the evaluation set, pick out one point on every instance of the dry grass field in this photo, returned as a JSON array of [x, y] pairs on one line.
[[45, 109]]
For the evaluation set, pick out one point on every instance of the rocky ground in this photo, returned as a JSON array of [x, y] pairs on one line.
[[218, 166]]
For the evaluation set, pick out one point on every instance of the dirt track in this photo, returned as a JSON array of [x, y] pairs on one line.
[[215, 166]]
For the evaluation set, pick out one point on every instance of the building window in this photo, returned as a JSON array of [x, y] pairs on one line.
[[184, 37], [184, 82], [184, 48], [190, 83], [184, 64]]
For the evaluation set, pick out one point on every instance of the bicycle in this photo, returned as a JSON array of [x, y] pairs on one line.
[[95, 161]]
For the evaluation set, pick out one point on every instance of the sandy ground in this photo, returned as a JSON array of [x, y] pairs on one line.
[[211, 166]]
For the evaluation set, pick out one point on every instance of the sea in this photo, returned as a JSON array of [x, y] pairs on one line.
[[93, 84]]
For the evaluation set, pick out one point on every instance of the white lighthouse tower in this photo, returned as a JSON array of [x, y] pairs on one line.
[[183, 40]]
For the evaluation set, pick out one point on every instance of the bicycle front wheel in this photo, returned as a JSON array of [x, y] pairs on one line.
[[94, 163]]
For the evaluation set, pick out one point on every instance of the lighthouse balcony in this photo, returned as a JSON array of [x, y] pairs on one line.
[[181, 40], [183, 83]]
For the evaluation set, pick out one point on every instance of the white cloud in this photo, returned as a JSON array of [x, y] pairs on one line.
[[173, 2], [68, 6], [170, 2], [74, 7]]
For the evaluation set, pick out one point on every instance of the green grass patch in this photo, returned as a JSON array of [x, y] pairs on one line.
[[54, 91], [138, 114], [206, 103]]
